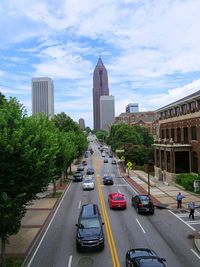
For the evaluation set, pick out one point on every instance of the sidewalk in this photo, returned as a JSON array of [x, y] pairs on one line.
[[163, 196]]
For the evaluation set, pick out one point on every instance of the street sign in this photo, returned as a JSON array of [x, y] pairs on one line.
[[119, 150], [129, 165], [122, 158]]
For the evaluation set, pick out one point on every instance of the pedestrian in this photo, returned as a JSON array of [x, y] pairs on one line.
[[179, 198], [192, 207]]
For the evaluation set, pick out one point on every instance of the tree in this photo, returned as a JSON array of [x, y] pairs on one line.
[[102, 135], [27, 159]]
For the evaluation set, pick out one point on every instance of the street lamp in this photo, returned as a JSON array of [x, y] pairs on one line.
[[150, 168]]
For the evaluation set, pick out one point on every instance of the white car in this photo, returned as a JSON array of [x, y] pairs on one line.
[[88, 183]]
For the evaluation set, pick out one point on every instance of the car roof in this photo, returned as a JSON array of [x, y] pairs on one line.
[[89, 210], [116, 195], [141, 252], [149, 261]]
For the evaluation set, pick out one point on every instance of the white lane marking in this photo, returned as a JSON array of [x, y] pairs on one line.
[[70, 261], [36, 250], [195, 253], [141, 226], [118, 191], [130, 187], [193, 229], [79, 205]]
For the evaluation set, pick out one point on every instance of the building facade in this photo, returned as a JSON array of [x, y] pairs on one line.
[[100, 88], [107, 112], [148, 119], [81, 123], [43, 96], [177, 150], [132, 107]]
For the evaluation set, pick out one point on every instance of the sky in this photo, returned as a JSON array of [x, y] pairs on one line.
[[150, 48]]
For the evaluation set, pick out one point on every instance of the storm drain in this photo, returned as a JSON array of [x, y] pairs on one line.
[[86, 262]]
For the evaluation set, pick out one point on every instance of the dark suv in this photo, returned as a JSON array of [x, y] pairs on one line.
[[89, 233]]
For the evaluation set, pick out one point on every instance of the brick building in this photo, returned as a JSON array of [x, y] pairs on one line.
[[148, 119], [177, 149]]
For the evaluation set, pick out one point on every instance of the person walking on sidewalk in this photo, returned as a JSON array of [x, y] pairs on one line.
[[179, 198], [192, 207]]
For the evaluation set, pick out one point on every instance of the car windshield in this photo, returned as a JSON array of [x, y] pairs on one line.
[[90, 223], [150, 262], [88, 181], [108, 178], [118, 198]]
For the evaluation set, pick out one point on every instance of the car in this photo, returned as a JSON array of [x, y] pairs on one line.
[[88, 183], [90, 171], [110, 155], [105, 160], [84, 162], [80, 168], [89, 233], [103, 154], [78, 177], [117, 201], [143, 257], [143, 204], [108, 180], [114, 162]]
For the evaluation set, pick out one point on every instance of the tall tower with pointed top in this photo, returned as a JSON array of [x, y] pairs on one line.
[[100, 87]]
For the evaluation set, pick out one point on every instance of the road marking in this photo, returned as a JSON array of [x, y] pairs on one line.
[[111, 243], [70, 261], [193, 229], [141, 226], [195, 253], [131, 187], [79, 205], [36, 250], [119, 191]]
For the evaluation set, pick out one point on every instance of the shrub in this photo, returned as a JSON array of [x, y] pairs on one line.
[[186, 180]]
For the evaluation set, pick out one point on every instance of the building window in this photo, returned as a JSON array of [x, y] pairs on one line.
[[162, 134], [184, 109], [185, 135], [172, 134], [167, 133], [177, 110], [178, 135], [194, 133]]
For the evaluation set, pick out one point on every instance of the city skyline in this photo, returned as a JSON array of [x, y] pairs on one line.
[[150, 49]]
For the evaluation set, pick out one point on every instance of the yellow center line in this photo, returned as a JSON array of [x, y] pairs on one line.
[[113, 250]]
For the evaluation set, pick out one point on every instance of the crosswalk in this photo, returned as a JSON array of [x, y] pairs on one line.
[[184, 217]]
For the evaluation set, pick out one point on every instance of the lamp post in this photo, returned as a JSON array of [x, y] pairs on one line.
[[150, 168]]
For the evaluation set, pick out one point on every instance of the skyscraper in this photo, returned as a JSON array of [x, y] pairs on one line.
[[81, 123], [107, 112], [43, 96], [100, 87], [132, 107]]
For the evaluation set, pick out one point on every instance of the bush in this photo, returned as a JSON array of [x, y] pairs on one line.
[[186, 180]]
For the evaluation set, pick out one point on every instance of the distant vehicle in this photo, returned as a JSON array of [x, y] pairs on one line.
[[84, 162], [143, 257], [80, 168], [88, 183], [110, 155], [89, 233], [105, 160], [103, 154], [108, 180], [116, 201], [143, 204], [78, 177], [114, 162], [90, 171]]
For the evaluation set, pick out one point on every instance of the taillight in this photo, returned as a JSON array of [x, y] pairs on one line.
[[140, 204]]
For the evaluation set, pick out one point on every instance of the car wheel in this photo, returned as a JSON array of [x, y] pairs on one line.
[[137, 210]]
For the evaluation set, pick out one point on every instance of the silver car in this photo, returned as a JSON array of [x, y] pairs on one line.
[[88, 183]]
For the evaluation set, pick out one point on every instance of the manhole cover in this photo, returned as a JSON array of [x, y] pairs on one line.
[[86, 262]]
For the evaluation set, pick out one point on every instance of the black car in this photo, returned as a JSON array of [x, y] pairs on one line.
[[78, 177], [143, 204], [143, 257], [90, 171], [80, 168], [105, 160], [108, 180], [89, 233]]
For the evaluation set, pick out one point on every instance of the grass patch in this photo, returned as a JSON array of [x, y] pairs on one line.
[[57, 194], [14, 262]]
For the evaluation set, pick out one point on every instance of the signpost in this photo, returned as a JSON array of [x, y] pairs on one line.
[[129, 166]]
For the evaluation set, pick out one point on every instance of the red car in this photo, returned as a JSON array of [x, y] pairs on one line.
[[116, 201]]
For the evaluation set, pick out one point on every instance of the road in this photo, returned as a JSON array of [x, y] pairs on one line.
[[124, 229]]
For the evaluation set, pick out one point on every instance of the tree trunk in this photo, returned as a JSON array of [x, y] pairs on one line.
[[54, 188], [3, 252], [70, 169]]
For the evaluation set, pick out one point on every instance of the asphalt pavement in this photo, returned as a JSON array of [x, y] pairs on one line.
[[40, 211]]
